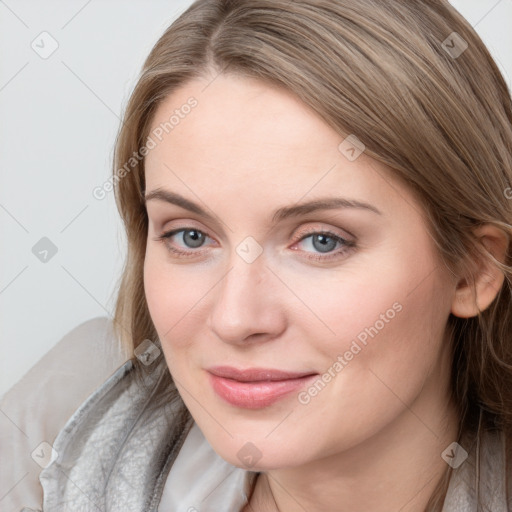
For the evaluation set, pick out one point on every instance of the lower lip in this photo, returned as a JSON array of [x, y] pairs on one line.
[[255, 395]]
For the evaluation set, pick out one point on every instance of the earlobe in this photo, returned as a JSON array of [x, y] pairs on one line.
[[472, 297]]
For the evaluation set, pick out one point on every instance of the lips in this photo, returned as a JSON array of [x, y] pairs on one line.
[[255, 388]]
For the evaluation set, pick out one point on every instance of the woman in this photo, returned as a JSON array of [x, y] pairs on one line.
[[317, 292]]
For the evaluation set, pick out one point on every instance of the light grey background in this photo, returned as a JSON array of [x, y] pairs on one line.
[[60, 116]]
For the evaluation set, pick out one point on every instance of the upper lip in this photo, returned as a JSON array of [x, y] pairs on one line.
[[255, 374]]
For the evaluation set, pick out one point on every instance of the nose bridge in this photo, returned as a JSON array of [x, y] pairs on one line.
[[243, 304]]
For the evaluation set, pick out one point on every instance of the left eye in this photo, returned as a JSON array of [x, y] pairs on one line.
[[322, 242]]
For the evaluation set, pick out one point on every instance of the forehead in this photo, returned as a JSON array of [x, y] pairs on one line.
[[229, 100], [246, 139], [244, 120]]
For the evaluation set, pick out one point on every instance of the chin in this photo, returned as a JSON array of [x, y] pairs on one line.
[[256, 452]]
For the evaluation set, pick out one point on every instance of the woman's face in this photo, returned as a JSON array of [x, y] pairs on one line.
[[354, 294]]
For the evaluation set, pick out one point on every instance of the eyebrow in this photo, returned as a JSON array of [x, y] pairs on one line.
[[328, 203]]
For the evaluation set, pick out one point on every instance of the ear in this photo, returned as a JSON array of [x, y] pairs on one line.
[[469, 300]]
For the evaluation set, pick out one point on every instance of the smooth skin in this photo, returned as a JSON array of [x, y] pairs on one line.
[[372, 438]]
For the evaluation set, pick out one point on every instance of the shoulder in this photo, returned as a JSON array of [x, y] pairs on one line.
[[117, 448], [482, 476], [37, 407]]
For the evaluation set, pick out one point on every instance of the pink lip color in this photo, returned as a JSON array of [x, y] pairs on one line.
[[267, 387]]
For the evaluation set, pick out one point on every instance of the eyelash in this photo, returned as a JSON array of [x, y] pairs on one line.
[[187, 254]]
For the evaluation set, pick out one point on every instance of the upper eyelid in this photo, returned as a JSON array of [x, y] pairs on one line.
[[329, 231]]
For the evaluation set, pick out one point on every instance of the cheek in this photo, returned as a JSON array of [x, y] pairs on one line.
[[388, 314], [179, 298], [389, 332], [387, 344], [170, 295], [170, 299]]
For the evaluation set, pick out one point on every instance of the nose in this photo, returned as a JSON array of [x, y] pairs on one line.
[[248, 303]]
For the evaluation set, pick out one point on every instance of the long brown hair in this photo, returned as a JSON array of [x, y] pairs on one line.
[[415, 83]]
